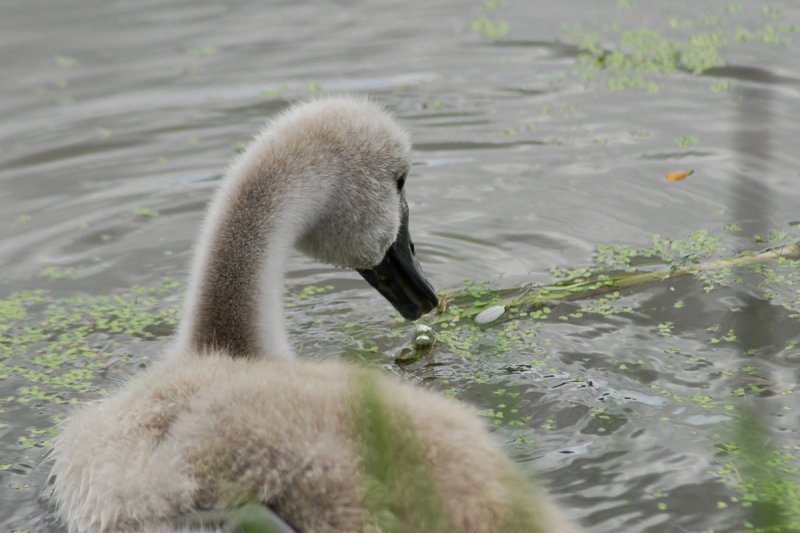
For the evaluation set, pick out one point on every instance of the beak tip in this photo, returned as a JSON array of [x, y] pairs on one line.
[[429, 306], [423, 308]]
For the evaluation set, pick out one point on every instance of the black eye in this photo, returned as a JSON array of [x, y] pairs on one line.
[[401, 181]]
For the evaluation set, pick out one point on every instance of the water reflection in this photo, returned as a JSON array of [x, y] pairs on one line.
[[752, 144]]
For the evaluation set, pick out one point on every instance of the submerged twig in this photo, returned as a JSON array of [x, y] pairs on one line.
[[602, 284]]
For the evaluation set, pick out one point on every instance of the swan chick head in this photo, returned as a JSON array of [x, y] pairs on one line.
[[352, 159]]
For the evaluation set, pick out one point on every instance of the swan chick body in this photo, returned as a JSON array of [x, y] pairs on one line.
[[230, 417]]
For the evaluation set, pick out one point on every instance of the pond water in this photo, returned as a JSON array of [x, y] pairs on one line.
[[543, 133]]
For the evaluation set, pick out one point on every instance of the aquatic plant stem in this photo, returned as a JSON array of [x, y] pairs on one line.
[[577, 289]]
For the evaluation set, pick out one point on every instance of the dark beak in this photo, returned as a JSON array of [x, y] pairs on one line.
[[399, 276]]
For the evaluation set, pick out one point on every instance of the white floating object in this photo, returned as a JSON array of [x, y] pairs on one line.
[[423, 329], [490, 314]]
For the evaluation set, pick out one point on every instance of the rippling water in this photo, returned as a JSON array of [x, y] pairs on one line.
[[119, 117]]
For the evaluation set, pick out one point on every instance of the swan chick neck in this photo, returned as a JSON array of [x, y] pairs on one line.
[[236, 287]]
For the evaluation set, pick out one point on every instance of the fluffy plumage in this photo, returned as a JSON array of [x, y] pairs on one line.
[[230, 417]]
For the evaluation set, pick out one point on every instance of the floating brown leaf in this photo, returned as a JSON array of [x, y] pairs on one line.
[[678, 176]]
